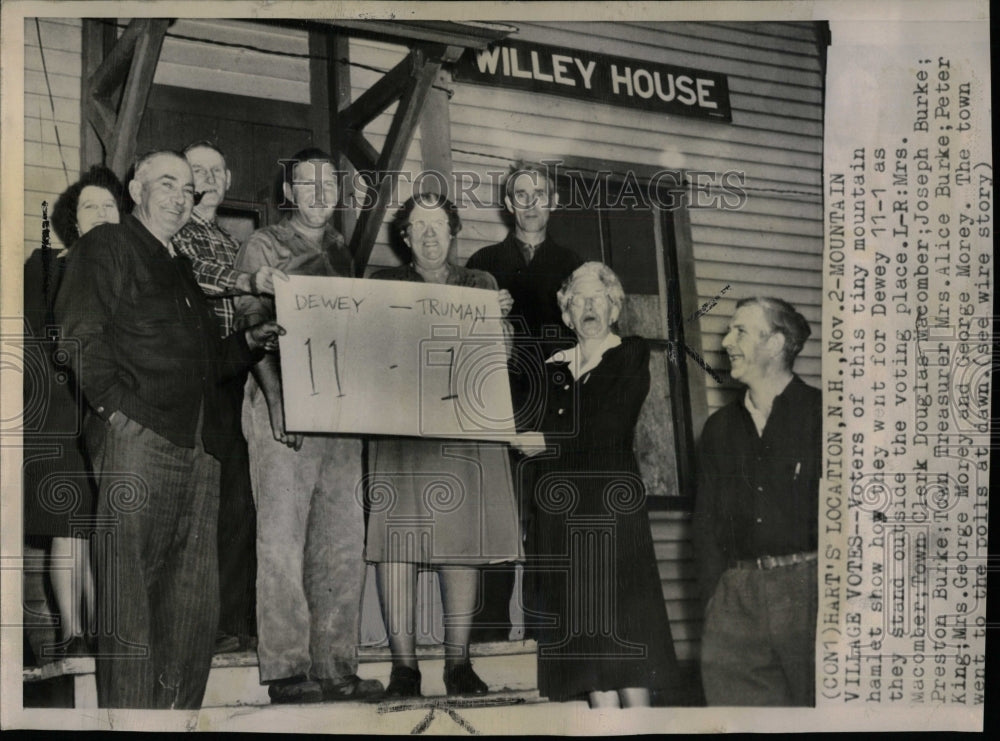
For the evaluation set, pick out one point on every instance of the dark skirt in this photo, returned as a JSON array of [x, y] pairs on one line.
[[59, 489], [604, 624]]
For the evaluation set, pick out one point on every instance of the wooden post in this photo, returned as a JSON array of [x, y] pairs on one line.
[[435, 136], [137, 86], [397, 142], [130, 62], [692, 330], [98, 36], [330, 93]]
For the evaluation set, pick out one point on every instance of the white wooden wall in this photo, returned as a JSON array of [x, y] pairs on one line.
[[772, 246], [44, 175]]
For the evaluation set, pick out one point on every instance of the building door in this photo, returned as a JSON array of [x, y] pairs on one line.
[[252, 132]]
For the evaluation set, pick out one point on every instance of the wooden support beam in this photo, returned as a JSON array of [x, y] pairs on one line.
[[320, 93], [330, 93], [359, 151], [137, 86], [467, 35], [112, 71], [131, 60], [397, 142], [98, 38], [379, 96], [103, 118], [407, 116], [409, 83], [435, 134], [340, 96]]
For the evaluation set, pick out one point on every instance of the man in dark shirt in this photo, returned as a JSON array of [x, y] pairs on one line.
[[150, 362], [756, 517], [531, 267]]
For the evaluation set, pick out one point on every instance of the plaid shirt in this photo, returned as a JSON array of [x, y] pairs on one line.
[[212, 251]]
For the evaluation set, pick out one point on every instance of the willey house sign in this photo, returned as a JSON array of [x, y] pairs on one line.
[[599, 78]]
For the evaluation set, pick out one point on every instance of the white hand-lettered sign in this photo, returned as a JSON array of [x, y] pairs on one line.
[[392, 358]]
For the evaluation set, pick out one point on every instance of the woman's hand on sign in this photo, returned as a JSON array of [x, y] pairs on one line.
[[529, 443], [506, 301]]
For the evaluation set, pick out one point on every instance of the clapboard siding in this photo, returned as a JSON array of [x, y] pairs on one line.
[[561, 110], [739, 48], [654, 45], [738, 38], [781, 31], [771, 246], [212, 63], [46, 163], [678, 579]]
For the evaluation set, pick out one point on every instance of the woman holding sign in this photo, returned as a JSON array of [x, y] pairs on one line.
[[605, 633], [459, 491]]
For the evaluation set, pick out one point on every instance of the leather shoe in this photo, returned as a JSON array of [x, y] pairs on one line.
[[352, 688], [226, 643], [403, 682], [462, 680], [294, 690], [72, 648]]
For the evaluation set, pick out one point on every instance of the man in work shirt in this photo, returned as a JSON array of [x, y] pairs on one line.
[[756, 517], [212, 252], [310, 525]]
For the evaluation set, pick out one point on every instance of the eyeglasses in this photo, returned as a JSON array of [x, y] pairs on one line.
[[598, 301], [420, 226]]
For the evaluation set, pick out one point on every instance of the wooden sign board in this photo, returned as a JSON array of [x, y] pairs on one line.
[[598, 78], [393, 358]]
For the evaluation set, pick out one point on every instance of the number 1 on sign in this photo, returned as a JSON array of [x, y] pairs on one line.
[[451, 366], [336, 367]]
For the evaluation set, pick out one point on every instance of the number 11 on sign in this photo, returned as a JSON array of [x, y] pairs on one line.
[[336, 367]]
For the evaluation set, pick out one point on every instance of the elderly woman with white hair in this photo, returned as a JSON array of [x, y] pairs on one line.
[[605, 634]]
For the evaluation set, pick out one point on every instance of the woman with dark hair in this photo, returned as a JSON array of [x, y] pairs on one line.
[[417, 517], [57, 480], [610, 641]]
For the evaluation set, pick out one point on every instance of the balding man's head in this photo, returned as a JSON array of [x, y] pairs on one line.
[[163, 191]]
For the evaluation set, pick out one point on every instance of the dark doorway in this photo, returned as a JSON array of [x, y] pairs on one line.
[[254, 134], [612, 217]]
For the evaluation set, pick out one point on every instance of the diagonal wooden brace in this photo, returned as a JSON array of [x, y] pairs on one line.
[[132, 59], [426, 63]]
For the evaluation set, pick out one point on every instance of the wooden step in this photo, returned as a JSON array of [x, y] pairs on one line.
[[234, 680], [506, 666]]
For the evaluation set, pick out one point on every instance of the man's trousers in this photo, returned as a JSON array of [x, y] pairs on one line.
[[759, 642], [237, 543], [310, 542], [158, 581]]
